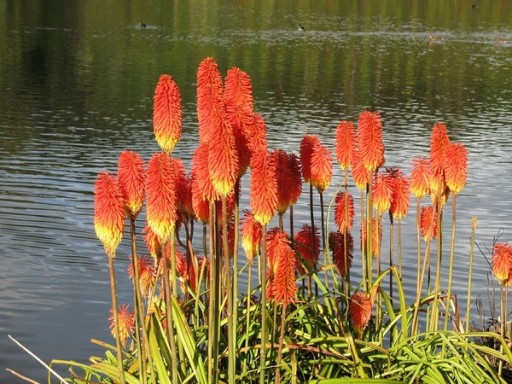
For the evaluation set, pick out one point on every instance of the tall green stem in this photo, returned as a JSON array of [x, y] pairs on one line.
[[450, 268], [115, 312], [263, 275], [470, 273]]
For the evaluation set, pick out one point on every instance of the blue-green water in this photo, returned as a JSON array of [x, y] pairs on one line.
[[76, 86]]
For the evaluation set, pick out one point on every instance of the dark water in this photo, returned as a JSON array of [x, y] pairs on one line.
[[76, 85]]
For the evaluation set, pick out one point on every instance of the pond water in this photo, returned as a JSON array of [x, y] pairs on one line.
[[76, 87]]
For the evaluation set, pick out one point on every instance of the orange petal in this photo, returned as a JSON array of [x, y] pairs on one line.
[[167, 113]]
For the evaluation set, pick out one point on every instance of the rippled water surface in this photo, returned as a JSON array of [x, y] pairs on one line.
[[76, 85]]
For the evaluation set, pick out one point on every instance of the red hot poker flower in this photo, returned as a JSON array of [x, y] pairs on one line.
[[251, 236], [344, 211], [152, 243], [202, 186], [400, 199], [382, 192], [428, 223], [321, 167], [130, 174], [455, 166], [239, 104], [502, 262], [345, 143], [359, 311], [263, 191], [289, 181], [370, 140], [420, 177], [376, 235], [108, 212], [283, 288], [126, 324], [360, 174], [307, 245], [161, 199], [210, 105], [307, 144], [337, 245], [146, 273], [439, 141], [167, 114]]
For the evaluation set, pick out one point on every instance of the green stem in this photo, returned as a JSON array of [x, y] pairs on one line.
[[450, 268], [264, 337], [470, 274], [115, 310], [168, 313], [281, 343]]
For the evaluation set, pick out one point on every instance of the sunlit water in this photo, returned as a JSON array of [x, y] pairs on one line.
[[76, 91]]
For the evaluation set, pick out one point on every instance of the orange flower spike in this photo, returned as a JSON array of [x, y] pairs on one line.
[[289, 181], [502, 261], [438, 143], [428, 223], [239, 103], [455, 166], [340, 210], [345, 143], [321, 167], [376, 235], [167, 115], [360, 174], [337, 246], [202, 186], [146, 273], [307, 144], [251, 236], [210, 105], [161, 199], [109, 212], [420, 178], [305, 247], [382, 192], [126, 324], [359, 311], [255, 132], [401, 198], [371, 144], [130, 174], [263, 190], [282, 260]]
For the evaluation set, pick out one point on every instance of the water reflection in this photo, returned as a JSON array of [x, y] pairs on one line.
[[77, 84]]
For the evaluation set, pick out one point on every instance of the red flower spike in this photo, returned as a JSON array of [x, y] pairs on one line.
[[345, 143], [370, 141], [360, 174], [428, 223], [202, 186], [223, 158], [455, 166], [126, 319], [306, 248], [263, 191], [400, 199], [251, 236], [359, 311], [382, 192], [255, 132], [502, 262], [146, 273], [239, 103], [108, 212], [438, 143], [337, 246], [376, 235], [321, 167], [210, 105], [420, 178], [130, 174], [289, 181], [340, 211], [161, 199], [167, 115], [281, 259], [307, 144]]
